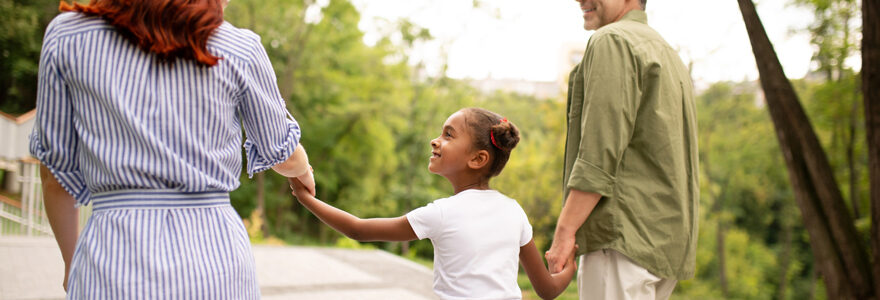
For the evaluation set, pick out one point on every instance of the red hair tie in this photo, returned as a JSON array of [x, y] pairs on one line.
[[492, 134]]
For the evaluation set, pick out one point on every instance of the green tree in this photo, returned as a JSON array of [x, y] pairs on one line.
[[750, 246], [832, 36], [23, 24], [838, 249]]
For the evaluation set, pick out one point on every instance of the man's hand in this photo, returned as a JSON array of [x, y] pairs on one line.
[[570, 263], [561, 252], [578, 206]]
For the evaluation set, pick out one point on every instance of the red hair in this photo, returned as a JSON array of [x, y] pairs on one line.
[[170, 28]]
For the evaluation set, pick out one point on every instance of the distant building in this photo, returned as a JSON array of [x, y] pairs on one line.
[[569, 56], [538, 89], [14, 154], [21, 201]]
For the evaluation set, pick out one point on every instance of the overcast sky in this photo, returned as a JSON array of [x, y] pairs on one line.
[[523, 39]]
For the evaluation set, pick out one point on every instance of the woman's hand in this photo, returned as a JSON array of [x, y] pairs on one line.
[[299, 189], [66, 273], [296, 165], [307, 181], [63, 217]]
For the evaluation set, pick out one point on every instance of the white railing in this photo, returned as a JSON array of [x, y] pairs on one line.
[[28, 215]]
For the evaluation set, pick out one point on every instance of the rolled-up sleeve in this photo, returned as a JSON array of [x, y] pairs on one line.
[[272, 133], [610, 104], [54, 140]]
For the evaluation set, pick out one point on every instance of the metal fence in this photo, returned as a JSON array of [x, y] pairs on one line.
[[27, 216]]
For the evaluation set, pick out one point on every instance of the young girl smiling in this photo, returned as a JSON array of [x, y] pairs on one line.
[[479, 235]]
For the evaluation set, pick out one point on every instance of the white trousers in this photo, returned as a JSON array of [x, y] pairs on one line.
[[607, 274]]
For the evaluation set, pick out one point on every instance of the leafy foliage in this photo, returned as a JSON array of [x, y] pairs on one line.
[[368, 114], [23, 23]]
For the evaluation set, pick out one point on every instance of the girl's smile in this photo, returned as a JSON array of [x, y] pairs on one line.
[[450, 151]]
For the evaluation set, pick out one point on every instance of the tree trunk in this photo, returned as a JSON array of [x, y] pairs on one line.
[[851, 160], [836, 246], [871, 92]]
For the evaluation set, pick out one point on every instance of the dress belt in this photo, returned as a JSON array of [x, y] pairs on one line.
[[157, 199]]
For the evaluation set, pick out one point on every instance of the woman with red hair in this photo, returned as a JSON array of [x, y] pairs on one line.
[[140, 108]]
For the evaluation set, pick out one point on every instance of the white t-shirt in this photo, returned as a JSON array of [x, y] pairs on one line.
[[476, 235]]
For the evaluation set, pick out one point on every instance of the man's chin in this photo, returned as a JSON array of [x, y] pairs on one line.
[[589, 27]]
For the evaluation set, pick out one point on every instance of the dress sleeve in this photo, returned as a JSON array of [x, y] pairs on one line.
[[610, 104], [426, 220], [54, 140], [272, 133]]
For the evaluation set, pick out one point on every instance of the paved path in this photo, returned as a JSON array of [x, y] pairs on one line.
[[31, 268]]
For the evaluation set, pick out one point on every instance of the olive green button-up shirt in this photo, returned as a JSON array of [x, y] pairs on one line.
[[632, 139]]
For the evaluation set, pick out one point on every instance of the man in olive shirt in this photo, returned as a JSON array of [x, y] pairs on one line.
[[631, 187]]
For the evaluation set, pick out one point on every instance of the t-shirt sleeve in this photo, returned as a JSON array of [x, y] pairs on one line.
[[426, 220], [526, 234]]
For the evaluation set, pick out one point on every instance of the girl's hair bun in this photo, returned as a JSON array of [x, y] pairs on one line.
[[506, 135], [492, 133]]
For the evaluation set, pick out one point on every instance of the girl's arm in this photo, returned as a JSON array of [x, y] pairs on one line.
[[546, 285], [364, 230], [63, 217]]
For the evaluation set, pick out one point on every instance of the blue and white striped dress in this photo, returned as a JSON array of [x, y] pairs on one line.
[[154, 147]]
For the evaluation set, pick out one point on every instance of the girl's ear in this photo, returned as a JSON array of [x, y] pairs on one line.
[[479, 160]]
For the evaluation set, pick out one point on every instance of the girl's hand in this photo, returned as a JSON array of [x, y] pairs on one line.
[[570, 262], [562, 249], [300, 190], [307, 181]]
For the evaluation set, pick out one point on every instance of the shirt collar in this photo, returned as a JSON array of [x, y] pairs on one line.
[[636, 15]]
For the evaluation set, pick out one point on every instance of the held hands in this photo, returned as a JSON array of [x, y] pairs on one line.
[[570, 263], [562, 278], [305, 182], [561, 253], [300, 190]]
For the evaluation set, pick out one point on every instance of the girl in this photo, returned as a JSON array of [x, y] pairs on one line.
[[478, 233]]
